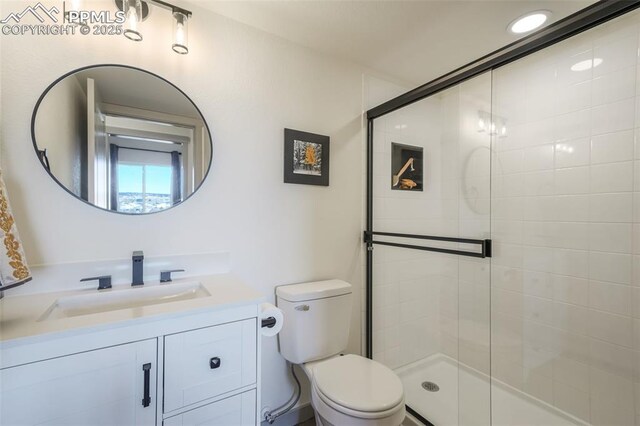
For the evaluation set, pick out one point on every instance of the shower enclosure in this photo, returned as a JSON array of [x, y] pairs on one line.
[[503, 231]]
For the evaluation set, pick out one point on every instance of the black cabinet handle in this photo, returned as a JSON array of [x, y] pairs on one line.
[[147, 376], [214, 362]]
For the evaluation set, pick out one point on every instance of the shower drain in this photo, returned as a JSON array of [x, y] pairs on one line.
[[430, 386]]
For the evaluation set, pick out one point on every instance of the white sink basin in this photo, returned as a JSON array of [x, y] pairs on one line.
[[123, 298]]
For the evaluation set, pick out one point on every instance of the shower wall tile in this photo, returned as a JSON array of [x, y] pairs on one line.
[[611, 207], [571, 181], [612, 147], [571, 400]]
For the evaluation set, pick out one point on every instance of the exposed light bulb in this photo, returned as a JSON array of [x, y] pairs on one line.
[[133, 15], [180, 33]]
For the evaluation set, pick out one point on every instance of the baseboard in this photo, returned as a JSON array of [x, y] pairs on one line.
[[293, 417]]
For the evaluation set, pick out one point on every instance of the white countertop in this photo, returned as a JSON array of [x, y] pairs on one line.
[[20, 315]]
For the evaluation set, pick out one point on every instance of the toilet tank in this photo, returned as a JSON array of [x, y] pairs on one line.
[[317, 317]]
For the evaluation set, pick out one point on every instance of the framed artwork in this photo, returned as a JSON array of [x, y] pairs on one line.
[[406, 167], [306, 158]]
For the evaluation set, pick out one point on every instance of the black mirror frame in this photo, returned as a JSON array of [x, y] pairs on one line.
[[47, 169]]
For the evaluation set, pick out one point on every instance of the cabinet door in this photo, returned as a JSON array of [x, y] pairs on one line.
[[238, 410], [100, 387], [207, 362]]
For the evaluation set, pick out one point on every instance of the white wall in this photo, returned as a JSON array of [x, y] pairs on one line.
[[249, 86]]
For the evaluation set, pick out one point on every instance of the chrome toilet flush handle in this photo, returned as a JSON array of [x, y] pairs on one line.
[[303, 308]]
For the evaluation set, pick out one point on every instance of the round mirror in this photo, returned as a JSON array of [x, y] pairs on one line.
[[121, 139]]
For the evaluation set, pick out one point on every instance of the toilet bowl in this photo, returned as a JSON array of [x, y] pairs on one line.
[[345, 390], [353, 390]]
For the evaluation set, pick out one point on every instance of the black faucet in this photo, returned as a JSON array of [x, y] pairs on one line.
[[137, 261]]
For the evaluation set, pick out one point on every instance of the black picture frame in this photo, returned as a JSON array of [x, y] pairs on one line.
[[306, 158]]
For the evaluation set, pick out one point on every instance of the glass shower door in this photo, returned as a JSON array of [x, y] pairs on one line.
[[431, 276], [566, 270]]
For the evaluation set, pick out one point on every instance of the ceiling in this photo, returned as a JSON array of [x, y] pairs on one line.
[[137, 89], [413, 41]]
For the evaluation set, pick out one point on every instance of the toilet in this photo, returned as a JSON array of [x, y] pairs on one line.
[[345, 390]]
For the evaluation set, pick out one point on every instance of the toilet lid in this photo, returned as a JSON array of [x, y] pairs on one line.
[[358, 383]]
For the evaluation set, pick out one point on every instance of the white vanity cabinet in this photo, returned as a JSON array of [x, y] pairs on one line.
[[99, 387], [190, 369]]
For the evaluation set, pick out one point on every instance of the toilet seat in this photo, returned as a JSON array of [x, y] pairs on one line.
[[358, 386], [365, 415]]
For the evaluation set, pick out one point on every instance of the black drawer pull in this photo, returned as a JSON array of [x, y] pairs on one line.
[[214, 362], [147, 376]]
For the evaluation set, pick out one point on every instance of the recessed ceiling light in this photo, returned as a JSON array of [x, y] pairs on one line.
[[586, 64], [529, 22]]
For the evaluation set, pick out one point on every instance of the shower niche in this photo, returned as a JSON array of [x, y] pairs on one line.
[[406, 167]]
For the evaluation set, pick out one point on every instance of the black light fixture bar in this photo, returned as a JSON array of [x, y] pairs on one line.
[[171, 7]]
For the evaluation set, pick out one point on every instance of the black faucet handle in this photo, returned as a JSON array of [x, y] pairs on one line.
[[104, 281], [165, 276]]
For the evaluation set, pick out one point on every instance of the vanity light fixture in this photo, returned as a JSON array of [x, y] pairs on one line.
[[180, 33], [529, 22], [138, 10], [133, 16]]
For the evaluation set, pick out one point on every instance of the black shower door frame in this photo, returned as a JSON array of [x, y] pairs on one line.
[[587, 18]]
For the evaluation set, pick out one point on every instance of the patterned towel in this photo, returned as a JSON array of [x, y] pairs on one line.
[[13, 264]]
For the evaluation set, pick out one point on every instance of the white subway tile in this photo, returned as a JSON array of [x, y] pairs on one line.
[[612, 177], [539, 158], [570, 262], [539, 183], [614, 298], [572, 126], [537, 284], [611, 328], [612, 147], [612, 358], [614, 86], [613, 389], [572, 153], [537, 259], [571, 208], [539, 208], [570, 235], [574, 180], [612, 267], [570, 289], [610, 237], [611, 207], [538, 309], [575, 97], [571, 318], [613, 117], [616, 55], [571, 372], [571, 400]]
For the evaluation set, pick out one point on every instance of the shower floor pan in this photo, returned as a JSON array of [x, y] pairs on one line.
[[511, 407]]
